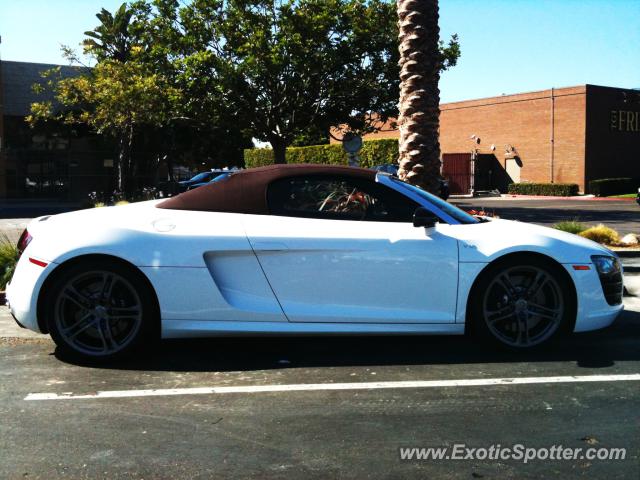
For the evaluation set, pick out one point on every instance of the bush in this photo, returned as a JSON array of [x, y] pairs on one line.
[[374, 152], [8, 260], [605, 187], [550, 189], [601, 234], [258, 157], [571, 226], [321, 154], [378, 152]]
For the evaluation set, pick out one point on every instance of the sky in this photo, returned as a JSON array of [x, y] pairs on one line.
[[508, 46]]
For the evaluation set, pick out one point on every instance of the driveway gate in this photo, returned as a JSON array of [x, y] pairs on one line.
[[457, 168]]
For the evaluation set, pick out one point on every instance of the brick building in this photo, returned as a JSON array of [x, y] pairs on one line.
[[572, 135]]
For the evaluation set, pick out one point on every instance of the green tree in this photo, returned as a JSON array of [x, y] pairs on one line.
[[282, 71], [312, 136], [422, 58], [119, 96], [113, 98], [202, 124], [287, 68]]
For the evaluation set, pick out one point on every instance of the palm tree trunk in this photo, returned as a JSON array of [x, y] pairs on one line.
[[419, 118]]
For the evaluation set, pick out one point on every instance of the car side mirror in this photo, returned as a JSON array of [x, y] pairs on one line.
[[424, 218]]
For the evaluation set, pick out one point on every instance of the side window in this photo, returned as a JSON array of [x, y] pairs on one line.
[[338, 198]]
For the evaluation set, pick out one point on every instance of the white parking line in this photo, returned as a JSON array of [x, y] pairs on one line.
[[304, 387]]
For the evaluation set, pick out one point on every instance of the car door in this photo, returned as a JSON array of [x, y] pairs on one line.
[[342, 250]]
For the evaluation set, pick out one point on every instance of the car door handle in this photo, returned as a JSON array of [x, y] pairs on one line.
[[269, 246]]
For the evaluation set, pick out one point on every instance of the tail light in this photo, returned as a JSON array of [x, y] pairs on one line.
[[24, 240]]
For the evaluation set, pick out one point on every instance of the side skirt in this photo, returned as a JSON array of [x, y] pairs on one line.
[[192, 329]]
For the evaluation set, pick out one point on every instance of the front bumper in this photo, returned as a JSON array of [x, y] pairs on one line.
[[594, 312]]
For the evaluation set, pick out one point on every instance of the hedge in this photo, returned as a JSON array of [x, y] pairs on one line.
[[374, 152], [605, 187], [551, 189]]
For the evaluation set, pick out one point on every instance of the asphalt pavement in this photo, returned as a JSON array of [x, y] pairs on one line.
[[229, 408], [621, 215]]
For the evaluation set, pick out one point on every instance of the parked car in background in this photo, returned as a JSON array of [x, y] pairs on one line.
[[200, 179], [393, 170], [170, 188], [220, 177]]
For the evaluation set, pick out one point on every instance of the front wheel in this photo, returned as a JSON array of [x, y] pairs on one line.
[[99, 311], [522, 304]]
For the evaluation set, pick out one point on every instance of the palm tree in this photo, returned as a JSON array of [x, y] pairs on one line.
[[112, 38], [420, 65]]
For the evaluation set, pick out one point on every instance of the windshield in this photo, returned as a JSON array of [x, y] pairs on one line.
[[451, 210]]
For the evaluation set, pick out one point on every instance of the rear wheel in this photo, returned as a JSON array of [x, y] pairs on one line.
[[523, 304], [100, 311]]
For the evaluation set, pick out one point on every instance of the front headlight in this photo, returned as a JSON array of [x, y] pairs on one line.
[[606, 265]]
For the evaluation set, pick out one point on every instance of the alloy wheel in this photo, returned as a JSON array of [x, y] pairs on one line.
[[98, 313], [523, 306]]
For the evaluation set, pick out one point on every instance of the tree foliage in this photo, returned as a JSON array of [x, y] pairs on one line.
[[114, 98], [282, 71], [287, 69], [117, 96], [112, 39]]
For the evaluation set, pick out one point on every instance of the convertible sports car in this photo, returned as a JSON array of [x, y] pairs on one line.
[[304, 249]]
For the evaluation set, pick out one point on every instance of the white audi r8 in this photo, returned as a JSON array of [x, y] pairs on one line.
[[302, 250]]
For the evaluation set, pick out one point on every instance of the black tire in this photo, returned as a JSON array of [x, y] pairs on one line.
[[92, 318], [522, 303]]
